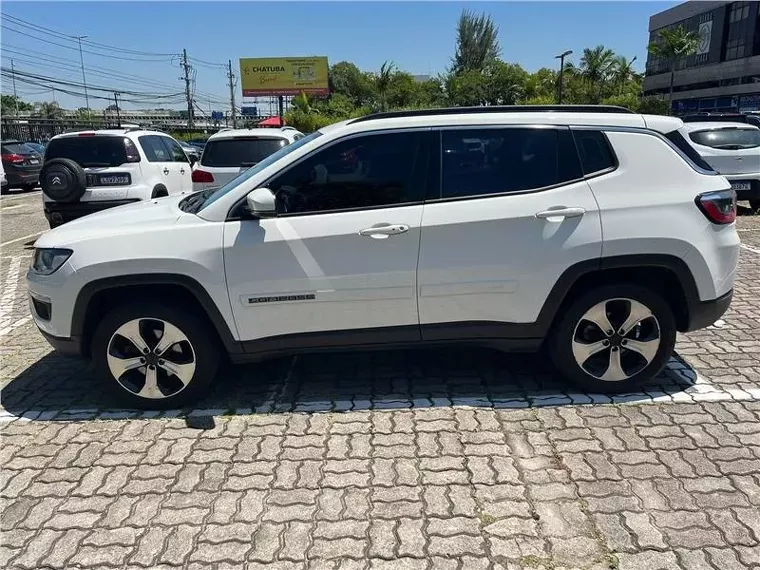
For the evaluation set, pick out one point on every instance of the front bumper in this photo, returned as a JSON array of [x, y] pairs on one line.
[[705, 313], [64, 346], [62, 212]]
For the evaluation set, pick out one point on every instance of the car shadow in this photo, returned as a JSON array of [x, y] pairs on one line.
[[60, 388]]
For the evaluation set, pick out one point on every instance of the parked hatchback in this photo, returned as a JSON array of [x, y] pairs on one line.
[[230, 152], [733, 149], [22, 164]]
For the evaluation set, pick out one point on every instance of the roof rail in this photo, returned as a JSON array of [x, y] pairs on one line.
[[131, 129], [495, 109]]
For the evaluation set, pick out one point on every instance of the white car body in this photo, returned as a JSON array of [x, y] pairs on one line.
[[222, 164], [3, 178], [741, 166], [488, 267], [157, 173]]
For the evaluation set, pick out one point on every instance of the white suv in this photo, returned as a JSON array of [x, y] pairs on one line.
[[89, 171], [591, 229], [232, 151], [733, 149]]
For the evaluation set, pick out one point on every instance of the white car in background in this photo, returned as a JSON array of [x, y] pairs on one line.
[[232, 151], [733, 149]]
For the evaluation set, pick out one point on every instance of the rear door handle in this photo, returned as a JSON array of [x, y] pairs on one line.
[[181, 170], [166, 171], [384, 230], [560, 212]]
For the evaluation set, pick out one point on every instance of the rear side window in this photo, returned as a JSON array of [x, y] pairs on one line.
[[685, 147], [175, 151], [89, 151], [235, 153], [595, 151], [496, 161], [154, 148], [727, 139]]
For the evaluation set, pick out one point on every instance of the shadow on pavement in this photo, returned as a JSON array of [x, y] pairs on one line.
[[64, 388]]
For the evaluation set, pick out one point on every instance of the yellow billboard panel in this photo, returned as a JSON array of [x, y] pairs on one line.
[[283, 76]]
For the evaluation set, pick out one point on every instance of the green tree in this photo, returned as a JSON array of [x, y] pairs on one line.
[[477, 43], [542, 83], [49, 110], [654, 106], [383, 82], [345, 78], [623, 73], [10, 103], [672, 45], [595, 68], [467, 89], [506, 83]]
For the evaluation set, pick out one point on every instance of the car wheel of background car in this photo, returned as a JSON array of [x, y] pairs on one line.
[[159, 191], [28, 187], [154, 356], [754, 205], [63, 180], [614, 338]]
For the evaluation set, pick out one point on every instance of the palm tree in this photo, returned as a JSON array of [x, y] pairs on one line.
[[383, 82], [623, 71], [595, 67], [673, 45], [301, 103]]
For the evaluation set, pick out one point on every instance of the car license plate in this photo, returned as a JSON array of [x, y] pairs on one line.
[[741, 186], [34, 161], [114, 179]]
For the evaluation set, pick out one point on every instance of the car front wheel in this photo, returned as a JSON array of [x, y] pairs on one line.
[[614, 339], [154, 356]]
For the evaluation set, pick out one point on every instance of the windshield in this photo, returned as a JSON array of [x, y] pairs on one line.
[[728, 139], [240, 151], [200, 200]]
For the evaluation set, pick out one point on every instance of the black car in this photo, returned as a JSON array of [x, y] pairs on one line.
[[22, 164], [723, 117]]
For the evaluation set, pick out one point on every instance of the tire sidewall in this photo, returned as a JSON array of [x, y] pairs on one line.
[[74, 174], [561, 338], [206, 352]]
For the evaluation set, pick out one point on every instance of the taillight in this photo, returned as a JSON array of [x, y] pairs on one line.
[[202, 176], [13, 158], [718, 207], [131, 150]]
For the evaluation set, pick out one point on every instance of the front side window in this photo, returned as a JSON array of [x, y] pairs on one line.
[[361, 172], [496, 161], [154, 149], [727, 139]]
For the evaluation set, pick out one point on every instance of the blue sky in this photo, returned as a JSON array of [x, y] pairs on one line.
[[417, 36]]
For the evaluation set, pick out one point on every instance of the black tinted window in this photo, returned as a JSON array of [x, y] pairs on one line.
[[95, 150], [176, 154], [362, 172], [683, 145], [239, 152], [594, 150], [494, 161], [154, 148], [727, 139]]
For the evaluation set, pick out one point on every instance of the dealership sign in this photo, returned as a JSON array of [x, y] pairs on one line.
[[283, 76]]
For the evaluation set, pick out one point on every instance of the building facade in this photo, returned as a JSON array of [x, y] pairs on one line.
[[724, 73]]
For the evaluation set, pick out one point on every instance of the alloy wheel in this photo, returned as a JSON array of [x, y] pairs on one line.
[[616, 339], [151, 358]]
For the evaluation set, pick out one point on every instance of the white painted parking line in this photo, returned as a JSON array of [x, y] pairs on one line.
[[9, 287], [749, 248], [21, 238]]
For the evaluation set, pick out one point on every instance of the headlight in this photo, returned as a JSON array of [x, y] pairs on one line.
[[47, 261]]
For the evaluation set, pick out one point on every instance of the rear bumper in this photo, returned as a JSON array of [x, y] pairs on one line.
[[705, 313], [753, 178], [22, 178], [62, 212]]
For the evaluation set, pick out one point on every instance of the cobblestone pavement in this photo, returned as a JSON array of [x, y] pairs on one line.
[[460, 459]]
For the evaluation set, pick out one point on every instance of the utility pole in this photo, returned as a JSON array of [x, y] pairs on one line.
[[186, 67], [15, 97], [116, 102], [231, 77], [561, 57], [84, 78]]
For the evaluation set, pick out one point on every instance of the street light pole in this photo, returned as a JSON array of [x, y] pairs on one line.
[[561, 57], [84, 78]]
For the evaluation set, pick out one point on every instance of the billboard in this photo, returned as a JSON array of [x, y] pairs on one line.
[[249, 111], [283, 76]]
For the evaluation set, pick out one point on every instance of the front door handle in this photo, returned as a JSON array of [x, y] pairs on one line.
[[384, 230], [560, 212], [166, 171]]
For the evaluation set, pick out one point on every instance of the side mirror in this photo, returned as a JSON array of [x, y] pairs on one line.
[[261, 203]]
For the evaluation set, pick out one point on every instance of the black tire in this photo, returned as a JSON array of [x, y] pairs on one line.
[[159, 191], [63, 180], [28, 187], [561, 338], [204, 350], [754, 206]]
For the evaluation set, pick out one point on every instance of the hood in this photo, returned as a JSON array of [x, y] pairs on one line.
[[122, 220]]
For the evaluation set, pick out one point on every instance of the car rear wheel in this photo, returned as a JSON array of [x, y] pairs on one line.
[[154, 356], [614, 338], [755, 206]]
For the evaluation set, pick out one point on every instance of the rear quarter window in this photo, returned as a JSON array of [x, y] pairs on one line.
[[678, 140], [234, 153], [595, 151]]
